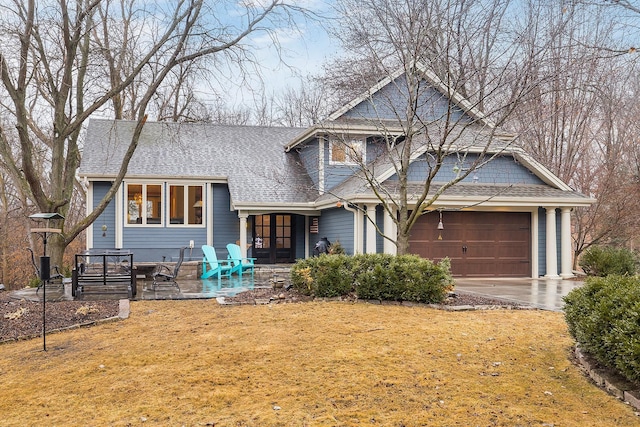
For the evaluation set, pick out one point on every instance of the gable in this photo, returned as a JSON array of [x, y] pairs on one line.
[[390, 103]]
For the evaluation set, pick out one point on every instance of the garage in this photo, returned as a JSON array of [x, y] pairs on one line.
[[479, 244]]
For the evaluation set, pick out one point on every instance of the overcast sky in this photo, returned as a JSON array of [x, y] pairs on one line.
[[303, 51]]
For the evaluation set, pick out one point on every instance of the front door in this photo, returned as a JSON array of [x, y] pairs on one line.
[[273, 239]]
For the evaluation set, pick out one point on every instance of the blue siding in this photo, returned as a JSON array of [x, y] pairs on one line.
[[337, 225], [309, 158], [542, 242], [149, 244], [108, 218], [391, 103], [336, 174], [380, 224], [226, 224], [501, 170]]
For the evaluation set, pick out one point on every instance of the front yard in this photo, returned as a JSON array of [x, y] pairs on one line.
[[196, 363]]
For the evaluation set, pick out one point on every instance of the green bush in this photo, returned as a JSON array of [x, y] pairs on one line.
[[605, 260], [323, 276], [373, 276], [604, 317]]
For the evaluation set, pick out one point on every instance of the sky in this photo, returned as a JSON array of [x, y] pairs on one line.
[[302, 51]]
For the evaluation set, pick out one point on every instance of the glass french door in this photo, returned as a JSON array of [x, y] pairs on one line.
[[273, 238]]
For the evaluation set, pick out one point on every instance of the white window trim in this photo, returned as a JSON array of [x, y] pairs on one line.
[[186, 185], [348, 158], [144, 184]]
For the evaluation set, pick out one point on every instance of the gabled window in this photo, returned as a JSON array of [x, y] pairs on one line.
[[347, 152], [186, 205], [144, 204]]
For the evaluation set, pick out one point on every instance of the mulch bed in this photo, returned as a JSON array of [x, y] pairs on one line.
[[21, 319], [286, 296]]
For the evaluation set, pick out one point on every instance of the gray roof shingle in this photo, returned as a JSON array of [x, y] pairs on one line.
[[251, 158]]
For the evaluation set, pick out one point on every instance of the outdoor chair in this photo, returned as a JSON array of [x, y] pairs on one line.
[[165, 275], [239, 263], [211, 267]]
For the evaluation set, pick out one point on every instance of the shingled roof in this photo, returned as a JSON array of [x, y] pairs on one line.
[[251, 159]]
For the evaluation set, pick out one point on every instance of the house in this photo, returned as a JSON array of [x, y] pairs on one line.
[[276, 190]]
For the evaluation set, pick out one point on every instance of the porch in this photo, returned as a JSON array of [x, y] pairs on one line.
[[190, 285]]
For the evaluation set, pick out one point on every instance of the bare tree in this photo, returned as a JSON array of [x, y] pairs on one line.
[[389, 36], [301, 106], [577, 121], [55, 56]]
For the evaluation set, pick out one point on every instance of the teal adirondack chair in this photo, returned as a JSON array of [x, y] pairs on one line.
[[239, 263], [215, 267]]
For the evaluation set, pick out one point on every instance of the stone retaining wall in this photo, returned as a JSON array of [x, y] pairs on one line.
[[608, 379]]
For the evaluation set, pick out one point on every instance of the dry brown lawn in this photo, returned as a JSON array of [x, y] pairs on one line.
[[195, 363]]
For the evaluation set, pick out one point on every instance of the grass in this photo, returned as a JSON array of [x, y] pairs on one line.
[[195, 363]]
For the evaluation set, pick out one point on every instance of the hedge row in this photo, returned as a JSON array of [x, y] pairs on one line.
[[373, 276], [605, 260], [604, 317]]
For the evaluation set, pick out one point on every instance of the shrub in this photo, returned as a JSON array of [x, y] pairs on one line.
[[404, 278], [373, 276], [323, 276], [336, 248], [34, 282], [605, 260], [604, 317]]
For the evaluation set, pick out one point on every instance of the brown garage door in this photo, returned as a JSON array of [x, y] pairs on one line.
[[481, 244]]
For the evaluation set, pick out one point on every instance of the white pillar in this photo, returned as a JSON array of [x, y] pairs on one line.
[[306, 237], [359, 230], [371, 229], [552, 245], [120, 206], [321, 145], [243, 232], [535, 252], [390, 231], [565, 244]]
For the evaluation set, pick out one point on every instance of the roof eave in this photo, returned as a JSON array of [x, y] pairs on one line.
[[340, 128], [111, 177]]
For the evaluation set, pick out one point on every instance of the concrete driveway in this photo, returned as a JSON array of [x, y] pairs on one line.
[[541, 293]]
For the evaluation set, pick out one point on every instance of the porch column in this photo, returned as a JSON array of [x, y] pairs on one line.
[[390, 231], [359, 230], [371, 229], [243, 233], [552, 245], [565, 242]]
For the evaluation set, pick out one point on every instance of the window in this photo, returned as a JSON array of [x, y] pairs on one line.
[[150, 204], [346, 152], [186, 204], [144, 204]]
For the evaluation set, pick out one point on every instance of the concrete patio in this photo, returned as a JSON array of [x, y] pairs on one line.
[[546, 294]]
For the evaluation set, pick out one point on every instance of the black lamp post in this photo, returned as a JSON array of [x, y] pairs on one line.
[[45, 264]]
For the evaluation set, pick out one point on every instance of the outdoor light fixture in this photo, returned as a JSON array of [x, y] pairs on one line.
[[45, 265], [440, 227]]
